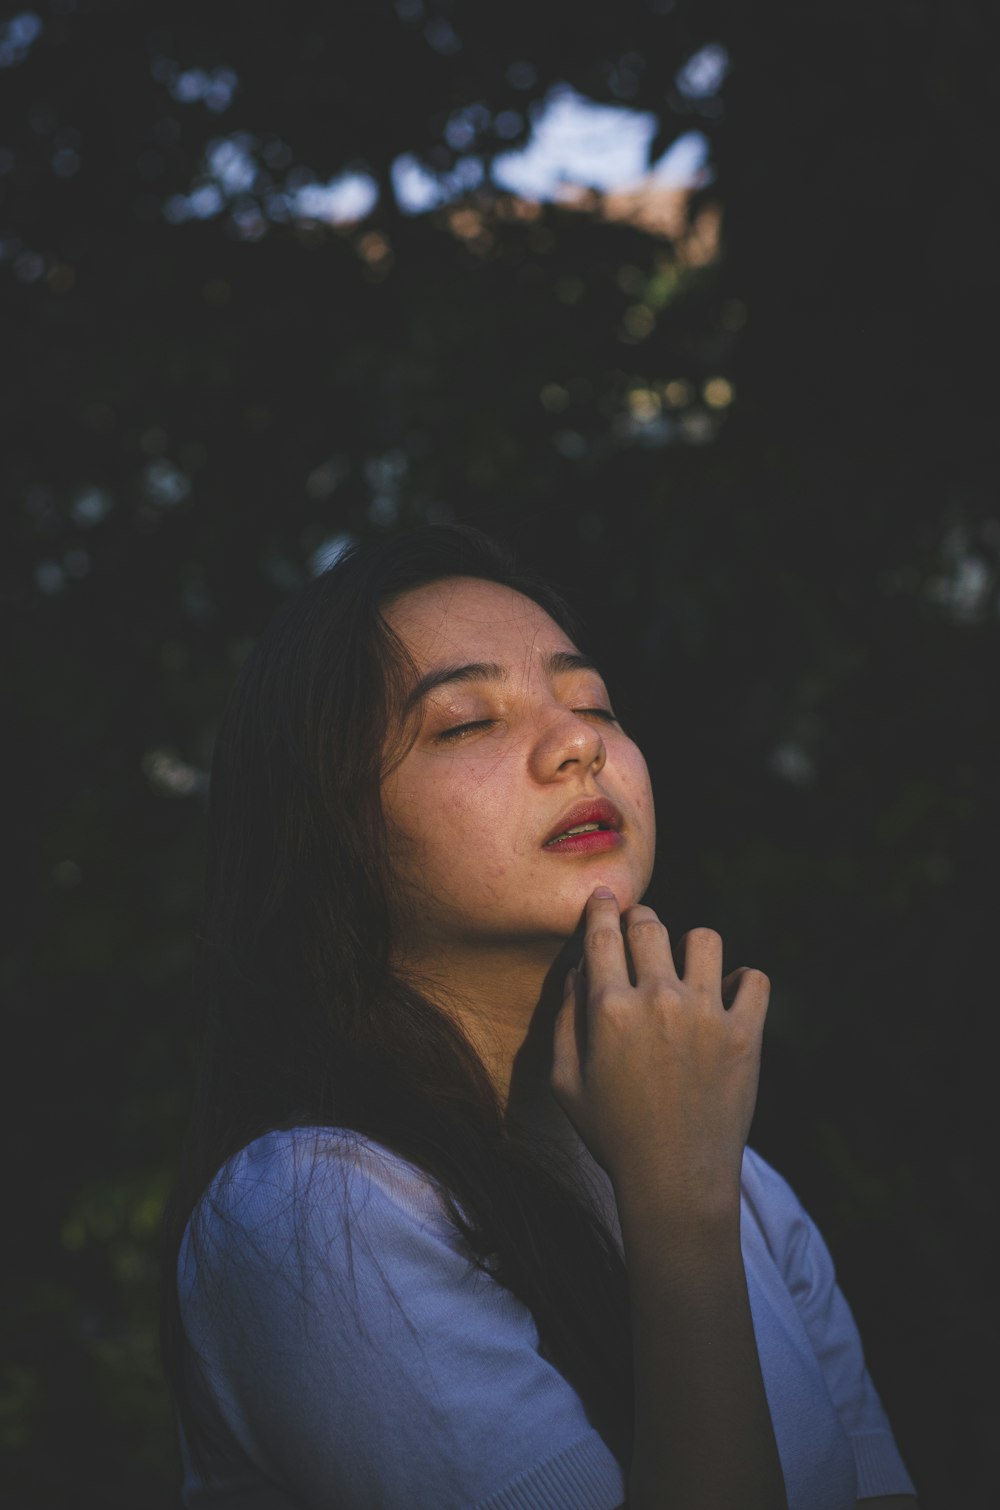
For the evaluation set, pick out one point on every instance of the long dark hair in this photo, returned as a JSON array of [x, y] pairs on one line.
[[305, 1022]]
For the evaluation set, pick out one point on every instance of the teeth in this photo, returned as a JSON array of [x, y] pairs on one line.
[[583, 828]]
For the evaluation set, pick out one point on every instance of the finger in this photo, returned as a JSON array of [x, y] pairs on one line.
[[604, 944], [649, 945], [746, 989], [702, 958]]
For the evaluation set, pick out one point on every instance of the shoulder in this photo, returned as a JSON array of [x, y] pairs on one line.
[[355, 1355], [309, 1164], [308, 1192]]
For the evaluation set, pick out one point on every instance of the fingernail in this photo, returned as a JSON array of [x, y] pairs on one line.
[[604, 891]]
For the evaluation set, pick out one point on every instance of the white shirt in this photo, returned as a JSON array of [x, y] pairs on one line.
[[327, 1389]]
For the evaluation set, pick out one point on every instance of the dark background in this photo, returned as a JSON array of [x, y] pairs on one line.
[[766, 473]]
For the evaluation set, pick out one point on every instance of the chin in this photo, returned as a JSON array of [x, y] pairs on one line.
[[624, 884], [625, 892]]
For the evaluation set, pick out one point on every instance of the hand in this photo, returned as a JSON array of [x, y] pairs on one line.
[[660, 1078]]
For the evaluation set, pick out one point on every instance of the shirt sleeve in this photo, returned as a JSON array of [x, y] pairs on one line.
[[807, 1267], [357, 1357]]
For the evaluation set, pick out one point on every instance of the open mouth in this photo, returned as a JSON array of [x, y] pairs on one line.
[[585, 838], [589, 822], [581, 828]]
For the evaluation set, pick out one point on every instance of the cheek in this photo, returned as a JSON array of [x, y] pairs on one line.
[[639, 787], [635, 775], [473, 834], [454, 819]]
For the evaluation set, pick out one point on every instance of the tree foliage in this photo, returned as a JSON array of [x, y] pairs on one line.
[[768, 478]]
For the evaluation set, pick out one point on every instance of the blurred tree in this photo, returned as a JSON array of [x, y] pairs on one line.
[[768, 479]]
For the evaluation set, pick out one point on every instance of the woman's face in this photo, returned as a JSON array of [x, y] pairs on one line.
[[470, 809]]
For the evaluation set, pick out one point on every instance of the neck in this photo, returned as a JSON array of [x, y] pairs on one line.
[[505, 1003], [506, 1006]]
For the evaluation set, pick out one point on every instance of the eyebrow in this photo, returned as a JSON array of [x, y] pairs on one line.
[[490, 671]]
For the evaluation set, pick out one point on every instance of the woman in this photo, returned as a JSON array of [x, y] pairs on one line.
[[460, 1224]]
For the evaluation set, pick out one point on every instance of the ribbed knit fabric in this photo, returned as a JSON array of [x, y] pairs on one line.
[[580, 1476], [878, 1463]]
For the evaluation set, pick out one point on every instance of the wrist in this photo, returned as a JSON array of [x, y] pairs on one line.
[[689, 1208]]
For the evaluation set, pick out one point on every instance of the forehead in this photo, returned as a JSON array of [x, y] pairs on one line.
[[472, 618]]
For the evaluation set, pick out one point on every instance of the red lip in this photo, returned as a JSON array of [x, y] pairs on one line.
[[591, 810]]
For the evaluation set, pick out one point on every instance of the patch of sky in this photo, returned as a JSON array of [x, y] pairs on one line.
[[350, 196], [230, 161], [247, 221], [231, 170], [212, 87], [964, 592], [385, 473], [575, 141], [17, 36], [165, 484], [685, 162], [792, 763], [90, 507], [205, 201], [703, 73], [417, 189], [170, 776], [463, 126]]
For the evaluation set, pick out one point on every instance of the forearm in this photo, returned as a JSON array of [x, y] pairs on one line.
[[703, 1435]]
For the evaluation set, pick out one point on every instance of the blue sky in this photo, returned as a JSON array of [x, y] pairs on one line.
[[573, 141]]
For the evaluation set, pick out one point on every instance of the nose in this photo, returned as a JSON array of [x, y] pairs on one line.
[[567, 741]]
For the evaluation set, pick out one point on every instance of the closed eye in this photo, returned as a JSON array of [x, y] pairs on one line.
[[460, 730]]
